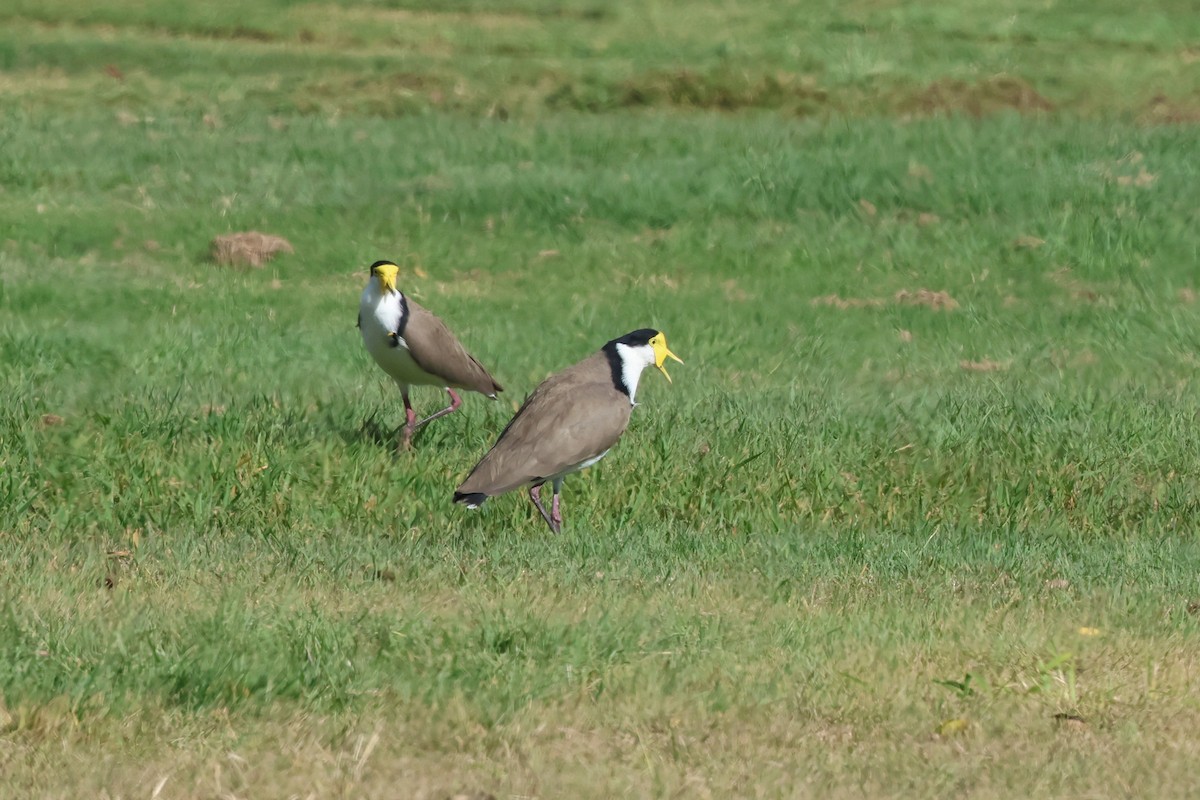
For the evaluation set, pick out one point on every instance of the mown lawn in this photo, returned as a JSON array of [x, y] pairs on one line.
[[916, 518]]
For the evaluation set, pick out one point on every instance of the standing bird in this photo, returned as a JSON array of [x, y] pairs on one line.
[[415, 348], [568, 423]]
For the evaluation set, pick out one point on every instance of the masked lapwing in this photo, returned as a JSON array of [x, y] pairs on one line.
[[415, 348], [570, 422]]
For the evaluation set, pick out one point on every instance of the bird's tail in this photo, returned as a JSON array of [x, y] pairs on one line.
[[472, 499]]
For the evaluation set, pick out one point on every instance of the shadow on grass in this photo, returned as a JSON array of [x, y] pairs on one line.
[[370, 431]]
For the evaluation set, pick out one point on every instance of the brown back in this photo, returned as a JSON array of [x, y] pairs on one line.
[[571, 416], [437, 351]]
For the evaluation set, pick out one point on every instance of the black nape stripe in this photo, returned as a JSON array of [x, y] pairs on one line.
[[371, 270], [403, 323], [637, 338], [615, 364]]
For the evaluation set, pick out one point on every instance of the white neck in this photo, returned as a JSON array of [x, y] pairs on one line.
[[633, 361], [385, 306]]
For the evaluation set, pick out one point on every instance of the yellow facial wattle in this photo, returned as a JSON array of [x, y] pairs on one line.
[[387, 276]]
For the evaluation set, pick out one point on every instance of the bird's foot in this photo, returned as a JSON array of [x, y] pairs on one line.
[[404, 443], [410, 427], [535, 493]]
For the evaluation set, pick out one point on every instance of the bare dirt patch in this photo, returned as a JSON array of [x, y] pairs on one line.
[[248, 249], [1163, 110], [733, 292], [722, 89], [989, 96], [1076, 288]]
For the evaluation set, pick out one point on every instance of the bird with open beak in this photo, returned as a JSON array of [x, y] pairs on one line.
[[570, 422]]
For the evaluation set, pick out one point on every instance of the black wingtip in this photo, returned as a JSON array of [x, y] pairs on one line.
[[472, 499]]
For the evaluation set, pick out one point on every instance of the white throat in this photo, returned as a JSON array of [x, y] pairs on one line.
[[387, 307], [633, 361], [376, 290]]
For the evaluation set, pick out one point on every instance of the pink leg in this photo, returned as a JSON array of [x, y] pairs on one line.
[[535, 495], [455, 402], [555, 514], [411, 426]]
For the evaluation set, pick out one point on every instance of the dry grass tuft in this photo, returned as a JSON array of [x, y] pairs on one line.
[[837, 301], [984, 365], [1163, 110], [989, 96], [733, 292], [1122, 172], [1064, 278], [1071, 723], [938, 301], [1143, 178], [248, 249]]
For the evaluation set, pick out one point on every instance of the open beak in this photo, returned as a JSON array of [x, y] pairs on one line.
[[661, 354]]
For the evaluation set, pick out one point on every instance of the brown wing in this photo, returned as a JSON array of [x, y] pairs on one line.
[[571, 417], [437, 351]]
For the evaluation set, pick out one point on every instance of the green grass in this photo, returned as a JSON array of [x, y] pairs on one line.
[[927, 480]]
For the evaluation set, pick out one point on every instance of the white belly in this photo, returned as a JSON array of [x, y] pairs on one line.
[[378, 318], [581, 465]]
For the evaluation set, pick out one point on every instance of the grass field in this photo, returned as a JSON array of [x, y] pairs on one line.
[[918, 517]]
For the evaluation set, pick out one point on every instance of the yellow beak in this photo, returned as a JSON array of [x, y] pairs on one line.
[[662, 353], [387, 276]]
